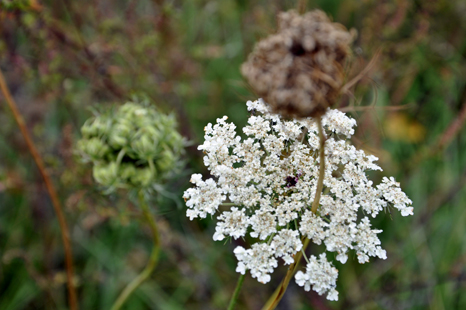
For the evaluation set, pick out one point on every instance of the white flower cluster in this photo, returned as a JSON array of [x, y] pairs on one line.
[[270, 178]]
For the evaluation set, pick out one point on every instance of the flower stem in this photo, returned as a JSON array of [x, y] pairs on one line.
[[133, 285], [73, 301], [280, 291], [320, 182], [235, 296]]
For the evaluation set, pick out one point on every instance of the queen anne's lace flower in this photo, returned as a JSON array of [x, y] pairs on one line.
[[270, 179], [321, 275], [259, 260]]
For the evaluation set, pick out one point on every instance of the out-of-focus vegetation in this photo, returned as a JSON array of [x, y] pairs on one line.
[[63, 58]]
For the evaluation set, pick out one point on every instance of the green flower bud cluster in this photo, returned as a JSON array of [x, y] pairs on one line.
[[131, 147]]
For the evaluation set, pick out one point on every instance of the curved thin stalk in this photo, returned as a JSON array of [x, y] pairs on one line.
[[235, 296], [320, 182], [280, 291], [73, 301], [154, 257]]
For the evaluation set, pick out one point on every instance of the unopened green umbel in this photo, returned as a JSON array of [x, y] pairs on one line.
[[133, 146]]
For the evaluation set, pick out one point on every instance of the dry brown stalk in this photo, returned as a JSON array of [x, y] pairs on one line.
[[453, 129], [73, 302], [445, 139], [368, 108], [96, 64], [363, 73]]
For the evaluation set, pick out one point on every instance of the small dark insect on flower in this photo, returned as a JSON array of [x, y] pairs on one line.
[[292, 180]]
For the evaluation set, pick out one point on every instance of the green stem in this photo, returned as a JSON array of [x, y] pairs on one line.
[[133, 285], [234, 298], [280, 291], [120, 156], [304, 255]]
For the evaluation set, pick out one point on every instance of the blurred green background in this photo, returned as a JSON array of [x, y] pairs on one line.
[[62, 58]]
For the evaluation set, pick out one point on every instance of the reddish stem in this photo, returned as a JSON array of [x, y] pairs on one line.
[[73, 302]]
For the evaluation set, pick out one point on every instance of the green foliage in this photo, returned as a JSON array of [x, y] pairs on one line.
[[12, 5]]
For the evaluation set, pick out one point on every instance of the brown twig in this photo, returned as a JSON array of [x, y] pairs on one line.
[[368, 108], [50, 188], [445, 139], [453, 129], [363, 73], [55, 29], [62, 37]]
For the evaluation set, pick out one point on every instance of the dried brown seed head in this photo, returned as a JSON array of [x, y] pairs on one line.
[[299, 70]]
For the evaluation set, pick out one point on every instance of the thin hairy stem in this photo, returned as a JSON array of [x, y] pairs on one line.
[[235, 296], [320, 182], [280, 291], [154, 257], [73, 301]]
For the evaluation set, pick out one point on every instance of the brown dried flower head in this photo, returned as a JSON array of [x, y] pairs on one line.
[[299, 70]]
